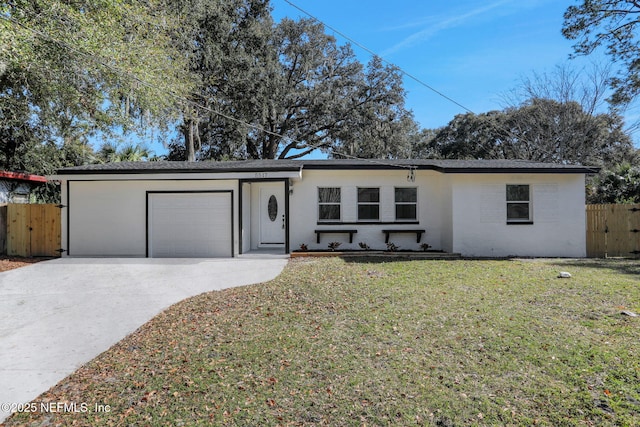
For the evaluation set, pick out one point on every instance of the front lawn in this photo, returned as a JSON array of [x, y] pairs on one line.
[[355, 342]]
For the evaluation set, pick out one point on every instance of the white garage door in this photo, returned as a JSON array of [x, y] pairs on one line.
[[190, 225]]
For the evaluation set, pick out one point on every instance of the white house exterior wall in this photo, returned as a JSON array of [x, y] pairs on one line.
[[304, 208], [108, 218], [446, 212], [460, 212], [479, 225]]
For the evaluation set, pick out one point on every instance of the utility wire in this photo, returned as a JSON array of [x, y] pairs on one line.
[[143, 82], [371, 52], [361, 46]]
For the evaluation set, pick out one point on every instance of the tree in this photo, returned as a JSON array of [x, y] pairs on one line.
[[539, 130], [618, 185], [376, 125], [109, 153], [614, 25], [72, 68], [286, 90], [226, 45], [551, 131], [471, 136], [422, 146], [588, 86]]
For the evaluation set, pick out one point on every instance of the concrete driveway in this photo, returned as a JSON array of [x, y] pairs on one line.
[[57, 315]]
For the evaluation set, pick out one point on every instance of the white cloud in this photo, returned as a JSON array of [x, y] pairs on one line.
[[442, 23]]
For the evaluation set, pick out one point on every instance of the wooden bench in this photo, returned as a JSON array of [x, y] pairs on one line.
[[417, 232], [335, 231]]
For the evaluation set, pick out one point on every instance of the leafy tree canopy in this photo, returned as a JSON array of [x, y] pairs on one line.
[[612, 24], [284, 90], [71, 68], [539, 130], [621, 184]]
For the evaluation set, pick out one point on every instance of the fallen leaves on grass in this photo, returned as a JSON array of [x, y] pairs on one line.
[[330, 343]]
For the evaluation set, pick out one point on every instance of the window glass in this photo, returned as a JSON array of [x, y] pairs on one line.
[[370, 212], [368, 195], [329, 204], [406, 212], [517, 193], [406, 203], [368, 204], [406, 195], [329, 195], [518, 203], [518, 211]]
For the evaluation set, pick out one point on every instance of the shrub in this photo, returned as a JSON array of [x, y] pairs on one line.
[[334, 245]]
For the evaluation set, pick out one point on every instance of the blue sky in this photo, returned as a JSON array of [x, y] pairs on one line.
[[472, 51]]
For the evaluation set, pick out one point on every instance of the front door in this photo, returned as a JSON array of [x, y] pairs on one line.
[[272, 217]]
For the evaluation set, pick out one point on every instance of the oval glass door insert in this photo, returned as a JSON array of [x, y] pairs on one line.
[[272, 208]]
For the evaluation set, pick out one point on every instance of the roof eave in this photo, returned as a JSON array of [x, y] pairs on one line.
[[533, 170], [22, 176], [65, 172]]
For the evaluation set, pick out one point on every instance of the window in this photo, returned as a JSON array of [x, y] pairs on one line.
[[518, 204], [406, 204], [368, 204], [329, 204]]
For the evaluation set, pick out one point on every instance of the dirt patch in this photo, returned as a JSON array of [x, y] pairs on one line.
[[9, 263]]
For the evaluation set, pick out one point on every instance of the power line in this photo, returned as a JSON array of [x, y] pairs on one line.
[[361, 46], [371, 52], [181, 98]]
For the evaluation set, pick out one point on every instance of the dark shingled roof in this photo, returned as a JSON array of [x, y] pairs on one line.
[[445, 166]]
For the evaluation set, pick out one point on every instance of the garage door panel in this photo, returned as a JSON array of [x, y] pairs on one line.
[[190, 225]]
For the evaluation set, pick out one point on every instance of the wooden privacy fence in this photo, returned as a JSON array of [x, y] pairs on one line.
[[33, 230], [613, 231], [3, 229]]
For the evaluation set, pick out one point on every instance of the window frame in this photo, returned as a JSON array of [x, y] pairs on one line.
[[367, 203], [401, 203], [321, 203], [528, 202]]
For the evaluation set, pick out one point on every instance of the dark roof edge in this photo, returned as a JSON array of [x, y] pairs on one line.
[[176, 170], [560, 169]]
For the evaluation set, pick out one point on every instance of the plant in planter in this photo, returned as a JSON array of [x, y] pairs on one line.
[[364, 246], [392, 247], [304, 247], [425, 247], [334, 245]]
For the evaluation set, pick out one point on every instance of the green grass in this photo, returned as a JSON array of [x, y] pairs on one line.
[[335, 342]]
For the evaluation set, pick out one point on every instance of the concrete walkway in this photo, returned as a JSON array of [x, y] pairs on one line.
[[57, 315]]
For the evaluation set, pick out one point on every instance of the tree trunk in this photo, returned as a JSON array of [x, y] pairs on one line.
[[187, 132]]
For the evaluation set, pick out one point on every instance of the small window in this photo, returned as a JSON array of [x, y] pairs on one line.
[[406, 204], [329, 204], [368, 204], [518, 203]]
